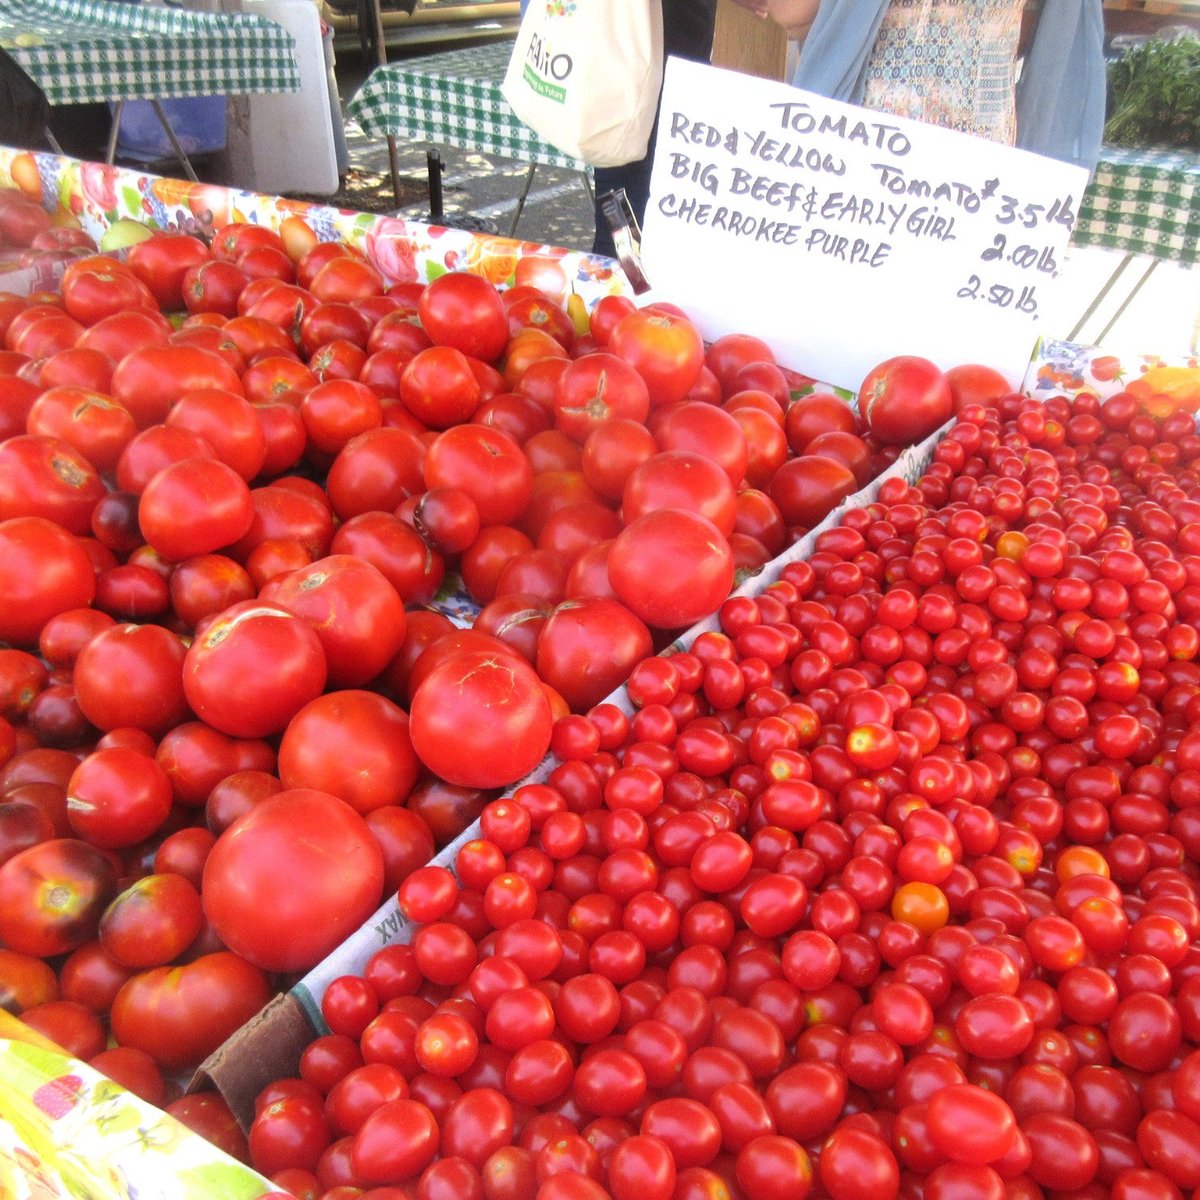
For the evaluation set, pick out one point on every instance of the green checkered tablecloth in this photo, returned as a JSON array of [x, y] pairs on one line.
[[1143, 202], [87, 50], [452, 99]]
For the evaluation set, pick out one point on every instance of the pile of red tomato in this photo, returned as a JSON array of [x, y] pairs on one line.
[[229, 724], [887, 888]]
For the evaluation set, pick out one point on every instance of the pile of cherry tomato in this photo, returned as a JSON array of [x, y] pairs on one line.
[[887, 888]]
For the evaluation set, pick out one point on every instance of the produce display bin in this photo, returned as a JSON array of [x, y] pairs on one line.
[[99, 196]]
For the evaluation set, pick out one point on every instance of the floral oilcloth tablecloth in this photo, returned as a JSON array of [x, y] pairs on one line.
[[98, 195], [1143, 201], [67, 1132], [80, 51], [453, 99]]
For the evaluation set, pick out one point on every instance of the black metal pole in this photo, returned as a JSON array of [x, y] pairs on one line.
[[433, 161]]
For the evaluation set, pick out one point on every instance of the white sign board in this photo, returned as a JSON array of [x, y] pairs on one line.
[[843, 236]]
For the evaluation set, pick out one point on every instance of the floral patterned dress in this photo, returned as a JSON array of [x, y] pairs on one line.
[[950, 63]]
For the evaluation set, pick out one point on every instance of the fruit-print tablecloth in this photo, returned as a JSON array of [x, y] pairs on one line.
[[97, 195], [69, 1132], [81, 51], [452, 99], [1143, 201]]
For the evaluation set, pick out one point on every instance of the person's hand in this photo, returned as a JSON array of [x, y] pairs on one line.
[[760, 8]]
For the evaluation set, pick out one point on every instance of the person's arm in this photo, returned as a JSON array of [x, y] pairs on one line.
[[796, 16]]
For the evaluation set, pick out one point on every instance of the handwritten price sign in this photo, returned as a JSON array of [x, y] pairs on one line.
[[843, 236]]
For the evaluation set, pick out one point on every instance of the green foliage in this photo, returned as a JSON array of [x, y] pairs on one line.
[[1154, 95]]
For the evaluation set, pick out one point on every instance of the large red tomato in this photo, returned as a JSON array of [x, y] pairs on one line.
[[681, 479], [229, 424], [338, 410], [973, 383], [148, 381], [47, 477], [847, 448], [665, 349], [214, 287], [17, 397], [124, 332], [356, 613], [290, 515], [131, 676], [180, 1014], [766, 443], [481, 719], [251, 669], [102, 290], [52, 895], [375, 471], [44, 571], [398, 550], [97, 427], [284, 435], [291, 879], [438, 387], [597, 388], [195, 507], [671, 567], [904, 399], [118, 797], [708, 430], [162, 261], [80, 366], [727, 355], [486, 464], [43, 333], [816, 414], [150, 451], [466, 312], [588, 647], [352, 744], [613, 452], [807, 488]]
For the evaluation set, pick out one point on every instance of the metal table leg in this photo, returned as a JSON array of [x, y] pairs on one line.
[[512, 229], [114, 132], [1137, 287], [180, 152], [1095, 304]]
